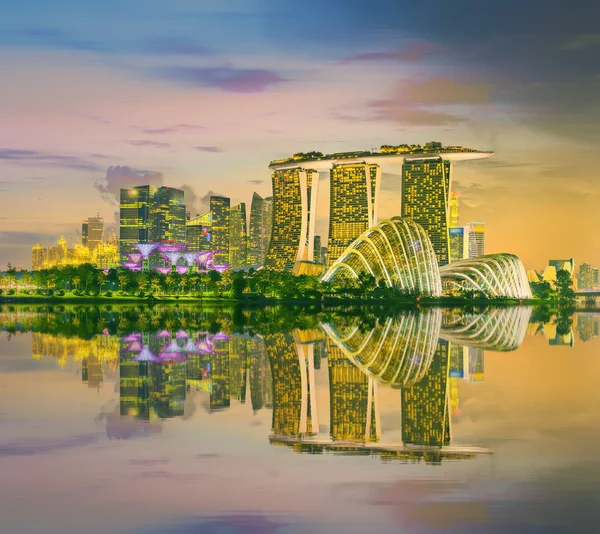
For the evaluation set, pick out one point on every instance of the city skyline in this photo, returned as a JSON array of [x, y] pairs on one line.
[[175, 102]]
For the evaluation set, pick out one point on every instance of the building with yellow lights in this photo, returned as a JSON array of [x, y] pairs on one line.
[[261, 223], [238, 236], [294, 212]]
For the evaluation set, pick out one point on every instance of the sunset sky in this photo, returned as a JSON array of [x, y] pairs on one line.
[[95, 96]]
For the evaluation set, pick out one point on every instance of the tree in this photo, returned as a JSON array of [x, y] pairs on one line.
[[563, 284], [541, 290]]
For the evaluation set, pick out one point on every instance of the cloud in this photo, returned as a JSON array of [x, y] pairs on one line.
[[25, 238], [581, 42], [123, 177], [59, 39], [146, 142], [174, 46], [181, 477], [213, 149], [227, 79], [146, 462], [172, 129], [257, 182], [414, 52], [426, 102], [35, 158], [31, 447], [235, 523]]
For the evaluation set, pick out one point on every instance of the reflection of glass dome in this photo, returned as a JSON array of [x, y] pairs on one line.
[[496, 275], [397, 352], [497, 329], [397, 252]]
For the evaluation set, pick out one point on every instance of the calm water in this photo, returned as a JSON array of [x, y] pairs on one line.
[[188, 420]]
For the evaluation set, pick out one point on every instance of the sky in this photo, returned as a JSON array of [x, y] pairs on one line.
[[202, 94]]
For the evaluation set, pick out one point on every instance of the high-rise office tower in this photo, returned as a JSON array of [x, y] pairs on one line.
[[62, 252], [238, 237], [92, 232], [459, 244], [318, 254], [261, 222], [294, 213], [454, 221], [169, 218], [198, 232], [219, 212], [38, 257], [354, 195], [476, 239], [425, 192], [425, 404], [135, 221]]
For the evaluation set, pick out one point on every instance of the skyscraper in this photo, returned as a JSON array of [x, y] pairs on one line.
[[476, 239], [261, 223], [238, 237], [354, 192], [219, 212], [92, 232], [198, 232], [454, 210], [168, 212], [294, 212], [459, 244], [38, 257], [425, 194], [135, 222]]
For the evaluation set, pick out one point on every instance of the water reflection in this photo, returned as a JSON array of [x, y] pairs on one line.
[[321, 374]]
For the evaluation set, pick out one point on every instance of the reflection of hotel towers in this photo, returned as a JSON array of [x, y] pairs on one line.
[[294, 395], [354, 408], [220, 393], [261, 383], [425, 404], [354, 192], [425, 196], [294, 211]]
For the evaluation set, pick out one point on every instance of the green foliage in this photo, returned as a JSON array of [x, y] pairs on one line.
[[564, 285], [541, 290]]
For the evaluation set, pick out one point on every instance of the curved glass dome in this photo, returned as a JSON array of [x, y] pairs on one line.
[[495, 275], [398, 252]]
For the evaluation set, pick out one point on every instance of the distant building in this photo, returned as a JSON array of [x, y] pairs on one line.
[[425, 196], [454, 219], [587, 277], [150, 214], [318, 254], [476, 233], [294, 213], [39, 257], [458, 243], [219, 211], [92, 232], [198, 231], [354, 191], [238, 236], [261, 223], [554, 266]]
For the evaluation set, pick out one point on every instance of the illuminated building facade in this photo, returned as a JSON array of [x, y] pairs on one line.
[[220, 214], [294, 213], [220, 391], [476, 233], [92, 232], [425, 404], [261, 223], [318, 248], [39, 257], [454, 210], [135, 219], [459, 244], [354, 411], [199, 232], [261, 383], [354, 192], [238, 236], [168, 214], [425, 195], [587, 277]]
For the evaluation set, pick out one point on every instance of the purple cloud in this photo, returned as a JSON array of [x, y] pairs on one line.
[[171, 129], [31, 447], [35, 158], [213, 149], [414, 52], [226, 79], [146, 142]]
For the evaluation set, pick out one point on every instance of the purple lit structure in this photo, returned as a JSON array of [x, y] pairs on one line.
[[146, 249], [162, 270], [135, 257], [182, 269]]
